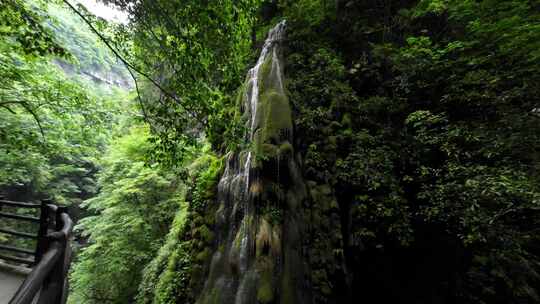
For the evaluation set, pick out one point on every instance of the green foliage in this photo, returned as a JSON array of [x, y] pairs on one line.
[[425, 7], [198, 52], [311, 13], [175, 274], [89, 54], [422, 116], [206, 171], [131, 215], [167, 276], [52, 128], [22, 26]]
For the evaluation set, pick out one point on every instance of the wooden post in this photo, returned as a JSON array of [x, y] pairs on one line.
[[48, 278], [54, 289], [67, 263], [42, 242], [63, 262]]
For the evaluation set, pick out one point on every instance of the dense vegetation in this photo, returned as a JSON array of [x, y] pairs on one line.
[[133, 211], [416, 128], [422, 121], [53, 125], [53, 128]]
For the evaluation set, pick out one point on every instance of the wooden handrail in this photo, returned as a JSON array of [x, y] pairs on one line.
[[19, 217], [24, 251], [17, 233], [49, 276], [32, 284], [15, 249], [17, 260], [43, 229], [18, 204]]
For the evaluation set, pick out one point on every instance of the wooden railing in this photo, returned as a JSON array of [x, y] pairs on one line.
[[17, 217], [52, 256]]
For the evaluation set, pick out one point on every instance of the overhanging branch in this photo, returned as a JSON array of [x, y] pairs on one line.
[[128, 65]]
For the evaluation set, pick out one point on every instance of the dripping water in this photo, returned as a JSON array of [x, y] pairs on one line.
[[275, 36], [235, 214]]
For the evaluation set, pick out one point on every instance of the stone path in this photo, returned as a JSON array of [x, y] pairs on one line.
[[9, 283]]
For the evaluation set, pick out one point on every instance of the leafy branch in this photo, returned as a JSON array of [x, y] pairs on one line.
[[132, 67]]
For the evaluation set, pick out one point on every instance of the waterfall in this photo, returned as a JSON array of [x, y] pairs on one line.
[[256, 258], [271, 45]]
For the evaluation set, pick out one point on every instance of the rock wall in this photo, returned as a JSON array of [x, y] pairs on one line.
[[258, 224]]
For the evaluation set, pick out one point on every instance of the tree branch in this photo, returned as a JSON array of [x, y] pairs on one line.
[[128, 65], [141, 103], [27, 107], [36, 117], [7, 108]]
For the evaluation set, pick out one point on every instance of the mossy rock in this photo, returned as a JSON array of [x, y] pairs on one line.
[[203, 256], [286, 150], [274, 191], [240, 93], [288, 291], [334, 204], [204, 233], [276, 240], [265, 292], [266, 82], [214, 297], [210, 218], [346, 121], [319, 276], [265, 289], [197, 274], [271, 152], [332, 141], [293, 201], [268, 151], [325, 189], [274, 118], [311, 184], [198, 244], [315, 219], [256, 188], [326, 289], [197, 220], [264, 238], [238, 239]]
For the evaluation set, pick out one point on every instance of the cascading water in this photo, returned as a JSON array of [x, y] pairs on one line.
[[271, 45], [257, 256]]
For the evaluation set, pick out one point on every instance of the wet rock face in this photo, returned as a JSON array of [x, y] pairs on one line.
[[257, 257]]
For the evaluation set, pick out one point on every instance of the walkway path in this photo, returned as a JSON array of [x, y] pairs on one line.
[[9, 283]]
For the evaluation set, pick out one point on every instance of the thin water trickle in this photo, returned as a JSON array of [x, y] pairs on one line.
[[274, 36]]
